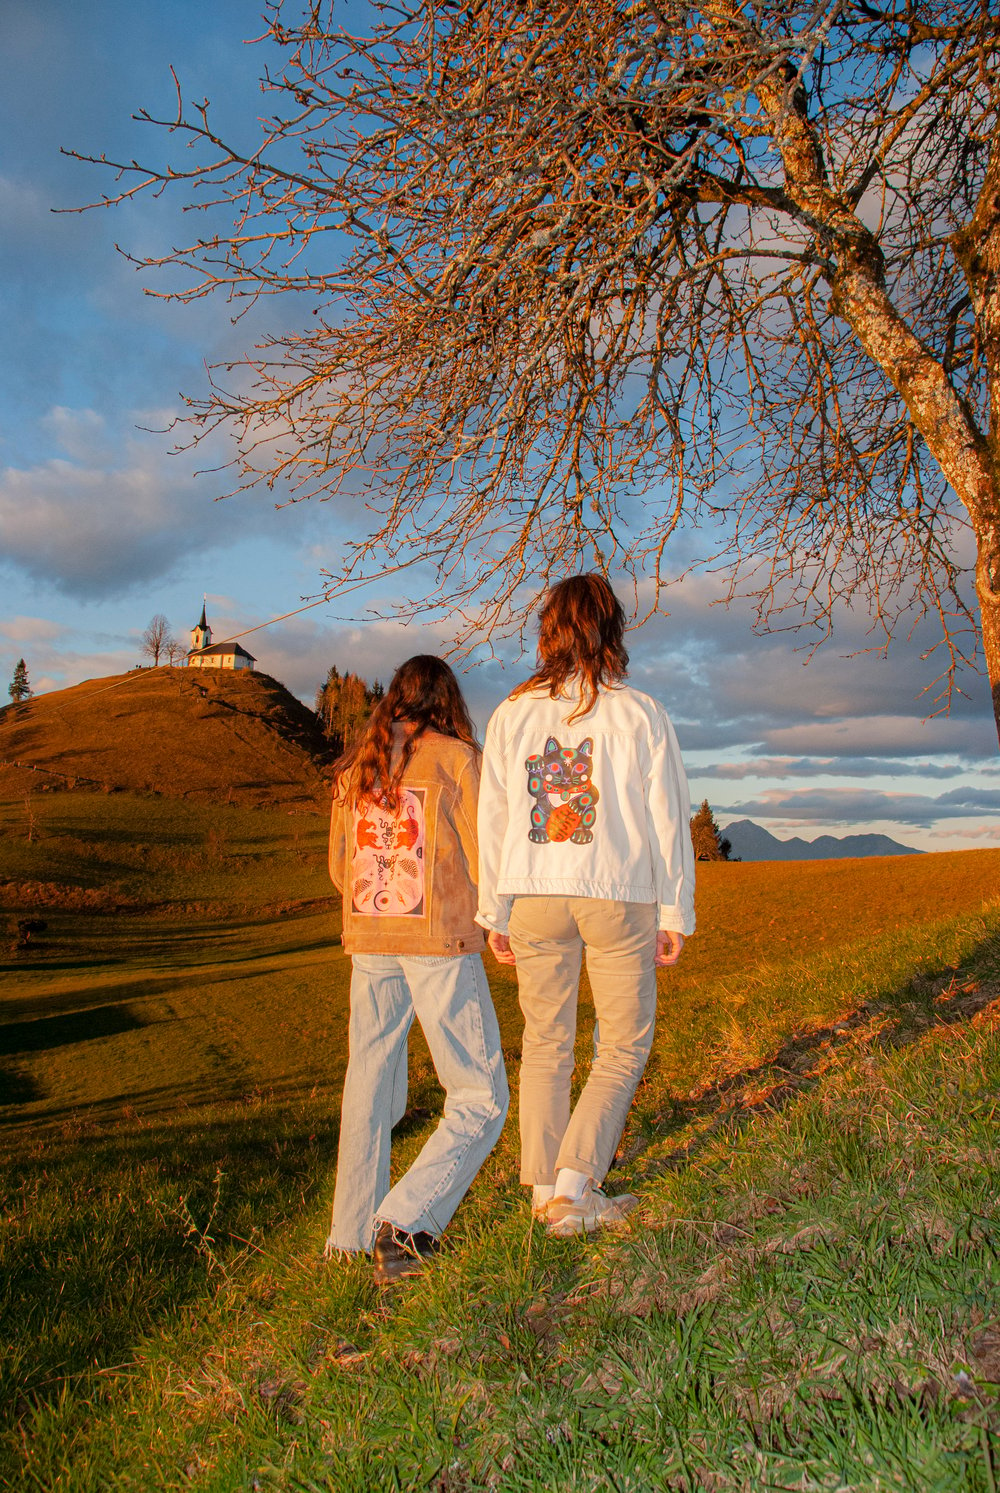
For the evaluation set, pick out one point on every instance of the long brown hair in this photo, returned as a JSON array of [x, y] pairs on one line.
[[424, 694], [580, 630]]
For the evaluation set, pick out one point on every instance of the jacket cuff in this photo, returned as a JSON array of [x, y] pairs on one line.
[[498, 919], [673, 920]]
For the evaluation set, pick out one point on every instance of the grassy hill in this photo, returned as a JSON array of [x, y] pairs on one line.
[[806, 1297], [204, 735]]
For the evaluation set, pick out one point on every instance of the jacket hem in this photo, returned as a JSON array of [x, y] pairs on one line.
[[422, 947], [551, 886]]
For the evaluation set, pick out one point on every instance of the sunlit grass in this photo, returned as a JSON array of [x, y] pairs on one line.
[[806, 1298]]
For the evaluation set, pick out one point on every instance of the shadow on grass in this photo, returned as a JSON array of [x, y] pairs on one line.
[[78, 999], [110, 1237], [939, 998], [48, 1032], [17, 1087]]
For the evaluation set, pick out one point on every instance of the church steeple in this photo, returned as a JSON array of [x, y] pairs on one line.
[[201, 636]]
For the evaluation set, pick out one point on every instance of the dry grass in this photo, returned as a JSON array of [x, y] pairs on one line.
[[208, 735]]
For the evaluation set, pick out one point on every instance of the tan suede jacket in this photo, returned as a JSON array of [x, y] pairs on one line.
[[408, 879]]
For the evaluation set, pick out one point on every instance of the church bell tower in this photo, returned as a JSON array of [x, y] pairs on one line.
[[201, 636]]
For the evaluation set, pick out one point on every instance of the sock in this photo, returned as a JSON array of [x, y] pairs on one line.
[[570, 1184], [541, 1192]]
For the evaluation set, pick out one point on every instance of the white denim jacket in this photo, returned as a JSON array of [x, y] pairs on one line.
[[594, 808]]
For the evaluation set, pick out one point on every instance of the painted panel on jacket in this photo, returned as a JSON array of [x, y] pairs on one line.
[[565, 799], [387, 863]]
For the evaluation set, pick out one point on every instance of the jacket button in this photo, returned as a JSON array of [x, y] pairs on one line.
[[460, 943]]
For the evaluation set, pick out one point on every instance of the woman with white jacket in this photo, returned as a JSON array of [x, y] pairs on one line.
[[584, 847]]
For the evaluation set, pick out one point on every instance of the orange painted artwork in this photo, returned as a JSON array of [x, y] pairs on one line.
[[387, 864]]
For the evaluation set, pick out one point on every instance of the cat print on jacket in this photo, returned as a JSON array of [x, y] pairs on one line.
[[565, 799]]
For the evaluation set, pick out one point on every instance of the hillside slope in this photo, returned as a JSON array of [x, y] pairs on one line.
[[209, 735]]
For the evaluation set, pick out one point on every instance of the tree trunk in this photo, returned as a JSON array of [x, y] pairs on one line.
[[988, 591]]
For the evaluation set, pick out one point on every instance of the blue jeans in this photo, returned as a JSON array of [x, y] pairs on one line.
[[451, 1000]]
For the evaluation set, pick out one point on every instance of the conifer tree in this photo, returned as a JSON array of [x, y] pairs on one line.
[[709, 842], [20, 689]]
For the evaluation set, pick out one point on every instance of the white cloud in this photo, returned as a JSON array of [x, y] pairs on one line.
[[987, 832], [51, 668], [892, 735], [811, 767], [95, 526], [30, 629], [856, 806], [80, 434]]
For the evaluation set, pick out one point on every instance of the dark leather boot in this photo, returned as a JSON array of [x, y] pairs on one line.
[[397, 1254]]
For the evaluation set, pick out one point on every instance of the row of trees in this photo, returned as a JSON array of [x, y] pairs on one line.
[[343, 703]]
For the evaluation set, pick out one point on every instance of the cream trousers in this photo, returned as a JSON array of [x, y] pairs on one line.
[[548, 936]]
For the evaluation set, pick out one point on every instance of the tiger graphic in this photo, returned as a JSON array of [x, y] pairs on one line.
[[565, 799], [387, 863]]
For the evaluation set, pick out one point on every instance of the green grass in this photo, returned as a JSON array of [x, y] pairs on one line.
[[807, 1298], [156, 853]]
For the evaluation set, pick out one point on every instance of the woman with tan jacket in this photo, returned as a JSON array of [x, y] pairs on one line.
[[403, 852]]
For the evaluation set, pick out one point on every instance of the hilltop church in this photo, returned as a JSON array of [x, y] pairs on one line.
[[204, 654]]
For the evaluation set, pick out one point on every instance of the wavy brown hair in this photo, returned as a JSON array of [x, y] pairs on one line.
[[425, 695], [580, 630]]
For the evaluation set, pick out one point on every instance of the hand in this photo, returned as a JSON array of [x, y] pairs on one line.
[[668, 947], [500, 944]]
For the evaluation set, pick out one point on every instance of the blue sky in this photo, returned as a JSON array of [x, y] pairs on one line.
[[102, 523]]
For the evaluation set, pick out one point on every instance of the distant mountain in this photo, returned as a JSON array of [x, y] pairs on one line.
[[752, 843], [209, 735]]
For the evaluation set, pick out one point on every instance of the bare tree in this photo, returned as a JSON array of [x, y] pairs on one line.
[[175, 651], [156, 640], [583, 274]]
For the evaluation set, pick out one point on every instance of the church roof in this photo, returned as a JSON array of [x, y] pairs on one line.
[[204, 620], [218, 649]]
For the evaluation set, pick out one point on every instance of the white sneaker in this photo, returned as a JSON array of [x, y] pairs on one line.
[[540, 1206], [565, 1217]]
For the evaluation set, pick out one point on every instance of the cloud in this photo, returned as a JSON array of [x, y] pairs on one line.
[[104, 522], [989, 832], [82, 435], [853, 806], [843, 767], [893, 735], [30, 629], [725, 686], [55, 668]]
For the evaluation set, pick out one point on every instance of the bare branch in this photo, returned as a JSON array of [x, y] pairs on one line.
[[583, 276]]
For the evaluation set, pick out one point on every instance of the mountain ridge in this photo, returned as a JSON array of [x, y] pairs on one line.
[[751, 842]]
